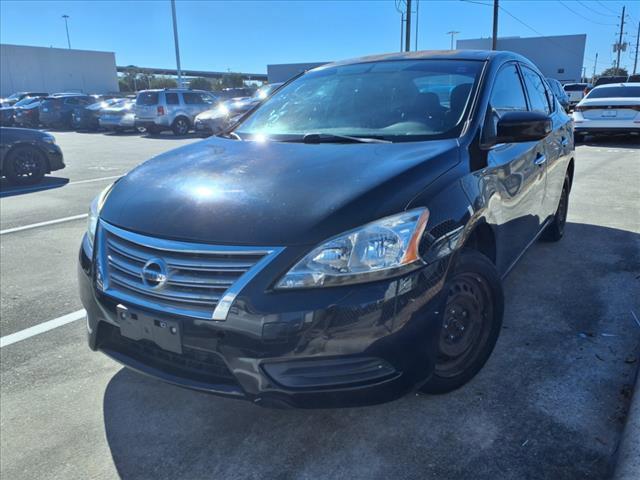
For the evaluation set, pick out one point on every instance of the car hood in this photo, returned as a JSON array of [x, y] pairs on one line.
[[225, 191]]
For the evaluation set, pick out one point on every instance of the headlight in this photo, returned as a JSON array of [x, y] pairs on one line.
[[49, 139], [377, 250], [94, 212]]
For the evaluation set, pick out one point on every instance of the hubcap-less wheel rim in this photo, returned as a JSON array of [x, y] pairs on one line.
[[26, 164], [182, 127], [466, 327]]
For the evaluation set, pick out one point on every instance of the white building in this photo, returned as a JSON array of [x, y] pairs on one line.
[[281, 72], [560, 57], [24, 68]]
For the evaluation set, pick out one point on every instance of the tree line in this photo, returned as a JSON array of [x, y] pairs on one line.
[[135, 79]]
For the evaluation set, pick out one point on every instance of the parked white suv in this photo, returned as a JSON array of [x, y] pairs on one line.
[[171, 109]]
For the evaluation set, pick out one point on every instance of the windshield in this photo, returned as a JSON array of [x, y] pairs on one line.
[[26, 101], [396, 100], [615, 92]]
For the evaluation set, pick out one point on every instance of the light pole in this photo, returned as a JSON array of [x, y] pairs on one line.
[[175, 39], [453, 33], [66, 25]]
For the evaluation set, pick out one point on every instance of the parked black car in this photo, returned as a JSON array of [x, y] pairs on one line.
[[7, 114], [226, 112], [16, 97], [86, 117], [27, 155], [345, 243], [56, 110], [28, 116]]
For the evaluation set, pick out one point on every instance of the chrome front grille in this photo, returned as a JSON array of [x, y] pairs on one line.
[[188, 279]]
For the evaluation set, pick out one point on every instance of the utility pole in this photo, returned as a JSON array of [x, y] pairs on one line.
[[452, 33], [635, 62], [407, 30], [175, 39], [619, 46], [494, 41], [66, 25], [595, 64], [401, 30], [418, 24]]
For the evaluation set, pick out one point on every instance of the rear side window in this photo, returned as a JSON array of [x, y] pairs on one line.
[[538, 95], [507, 94], [172, 98], [575, 87], [192, 98], [147, 98]]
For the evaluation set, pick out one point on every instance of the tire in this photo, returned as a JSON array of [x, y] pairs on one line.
[[180, 126], [555, 230], [141, 129], [25, 165], [153, 130], [471, 322]]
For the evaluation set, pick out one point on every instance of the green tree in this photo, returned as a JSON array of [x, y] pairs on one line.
[[200, 83], [162, 82], [614, 72], [232, 80]]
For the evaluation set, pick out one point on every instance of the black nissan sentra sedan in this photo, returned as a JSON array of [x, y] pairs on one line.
[[342, 244]]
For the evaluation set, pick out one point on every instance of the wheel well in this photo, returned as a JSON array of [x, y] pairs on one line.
[[22, 145], [183, 117], [570, 172], [483, 240]]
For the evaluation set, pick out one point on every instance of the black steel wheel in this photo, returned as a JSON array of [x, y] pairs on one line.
[[25, 165], [471, 322], [555, 230], [180, 126]]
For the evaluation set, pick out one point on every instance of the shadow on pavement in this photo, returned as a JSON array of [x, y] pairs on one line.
[[550, 403], [47, 183], [168, 135]]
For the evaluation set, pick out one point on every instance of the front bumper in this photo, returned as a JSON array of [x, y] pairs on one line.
[[54, 157], [334, 347]]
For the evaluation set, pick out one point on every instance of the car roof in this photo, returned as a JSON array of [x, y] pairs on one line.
[[622, 84], [172, 90], [479, 55]]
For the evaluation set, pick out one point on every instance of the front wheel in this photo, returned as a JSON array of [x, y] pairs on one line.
[[25, 166], [471, 322]]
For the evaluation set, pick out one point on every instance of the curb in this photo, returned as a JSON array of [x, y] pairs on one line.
[[628, 463]]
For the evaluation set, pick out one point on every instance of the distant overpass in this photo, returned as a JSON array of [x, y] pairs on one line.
[[193, 73]]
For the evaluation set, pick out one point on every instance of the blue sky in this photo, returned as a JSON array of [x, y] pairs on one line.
[[247, 35]]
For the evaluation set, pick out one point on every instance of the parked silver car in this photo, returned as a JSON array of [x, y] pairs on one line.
[[171, 109], [119, 117]]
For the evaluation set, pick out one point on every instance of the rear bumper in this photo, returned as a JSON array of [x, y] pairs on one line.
[[113, 122], [361, 345]]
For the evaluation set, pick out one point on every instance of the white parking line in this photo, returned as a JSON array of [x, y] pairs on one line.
[[43, 224], [44, 188], [77, 182], [41, 328]]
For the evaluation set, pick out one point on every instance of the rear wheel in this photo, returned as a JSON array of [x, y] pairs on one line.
[[25, 165], [471, 322], [555, 230], [180, 126]]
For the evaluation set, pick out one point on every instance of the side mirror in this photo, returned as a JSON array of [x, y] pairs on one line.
[[514, 127]]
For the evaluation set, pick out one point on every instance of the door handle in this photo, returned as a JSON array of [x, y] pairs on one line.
[[540, 159]]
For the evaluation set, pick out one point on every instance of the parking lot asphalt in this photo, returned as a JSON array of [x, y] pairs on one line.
[[550, 402]]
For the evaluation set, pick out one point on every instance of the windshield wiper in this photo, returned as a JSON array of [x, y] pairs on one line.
[[332, 137]]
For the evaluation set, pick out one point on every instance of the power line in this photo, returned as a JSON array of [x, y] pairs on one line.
[[604, 6], [590, 8], [540, 33], [586, 18]]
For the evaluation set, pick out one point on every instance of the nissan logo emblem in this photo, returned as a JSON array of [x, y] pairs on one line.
[[154, 273]]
